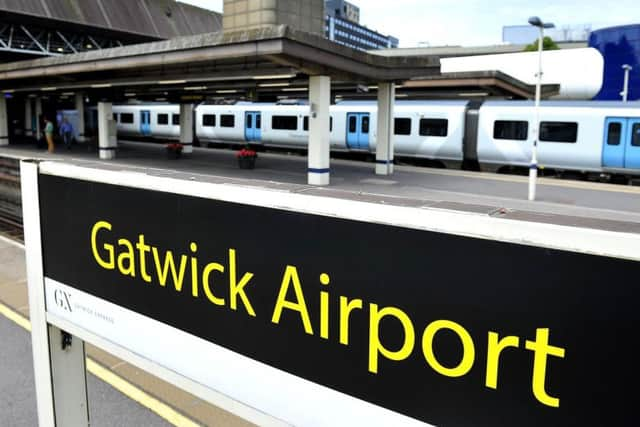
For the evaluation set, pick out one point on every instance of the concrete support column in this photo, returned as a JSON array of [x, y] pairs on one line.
[[4, 122], [186, 127], [384, 142], [38, 117], [319, 132], [80, 110], [28, 117], [107, 139]]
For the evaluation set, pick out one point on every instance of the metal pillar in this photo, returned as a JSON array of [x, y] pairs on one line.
[[59, 367], [186, 127], [4, 128], [80, 110], [39, 118], [384, 141], [28, 117], [319, 131], [107, 140]]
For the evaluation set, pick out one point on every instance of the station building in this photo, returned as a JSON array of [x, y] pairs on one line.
[[618, 46]]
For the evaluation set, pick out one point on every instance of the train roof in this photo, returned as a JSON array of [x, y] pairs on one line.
[[566, 104]]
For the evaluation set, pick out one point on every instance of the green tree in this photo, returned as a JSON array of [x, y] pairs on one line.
[[547, 44]]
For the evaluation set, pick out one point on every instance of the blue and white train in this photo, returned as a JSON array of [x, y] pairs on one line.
[[588, 137]]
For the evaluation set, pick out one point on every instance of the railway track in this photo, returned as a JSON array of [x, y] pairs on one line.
[[10, 200]]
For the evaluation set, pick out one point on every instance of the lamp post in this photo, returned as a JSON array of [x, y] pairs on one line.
[[625, 89], [533, 167]]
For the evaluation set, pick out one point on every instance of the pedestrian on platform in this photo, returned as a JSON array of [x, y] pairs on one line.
[[48, 133], [66, 132]]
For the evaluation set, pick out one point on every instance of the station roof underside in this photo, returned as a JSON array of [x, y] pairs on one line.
[[142, 20], [477, 83], [225, 59]]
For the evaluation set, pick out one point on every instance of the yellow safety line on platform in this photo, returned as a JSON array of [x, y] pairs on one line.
[[16, 318], [123, 386]]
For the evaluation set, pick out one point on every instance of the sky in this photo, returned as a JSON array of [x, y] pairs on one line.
[[476, 22]]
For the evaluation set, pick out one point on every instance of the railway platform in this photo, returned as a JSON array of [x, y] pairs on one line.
[[563, 202]]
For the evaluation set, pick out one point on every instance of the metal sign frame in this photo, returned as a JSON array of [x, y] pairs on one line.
[[59, 367]]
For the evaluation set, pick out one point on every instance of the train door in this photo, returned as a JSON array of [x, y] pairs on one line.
[[253, 126], [358, 126], [621, 148], [632, 155], [145, 122]]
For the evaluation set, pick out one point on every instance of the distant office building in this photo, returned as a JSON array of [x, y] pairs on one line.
[[342, 9], [343, 27]]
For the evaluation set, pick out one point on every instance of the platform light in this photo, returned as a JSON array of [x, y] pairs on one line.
[[89, 46], [274, 76], [533, 167], [48, 89], [9, 91], [60, 49], [195, 88], [68, 93], [101, 85], [473, 94], [625, 86], [172, 82], [295, 89], [227, 91], [274, 84], [129, 94]]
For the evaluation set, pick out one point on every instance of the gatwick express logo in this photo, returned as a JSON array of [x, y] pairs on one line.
[[62, 299]]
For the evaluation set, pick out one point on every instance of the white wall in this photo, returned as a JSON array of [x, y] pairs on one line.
[[579, 72]]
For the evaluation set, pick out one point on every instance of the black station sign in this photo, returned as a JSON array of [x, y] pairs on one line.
[[449, 330]]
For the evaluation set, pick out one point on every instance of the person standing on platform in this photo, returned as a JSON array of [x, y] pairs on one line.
[[48, 133], [66, 132]]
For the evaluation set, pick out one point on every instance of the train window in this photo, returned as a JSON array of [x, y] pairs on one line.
[[305, 124], [559, 132], [175, 119], [352, 124], [402, 126], [284, 122], [635, 135], [503, 129], [115, 117], [163, 119], [434, 127], [249, 123], [126, 118], [227, 120], [258, 121], [365, 124], [209, 120], [614, 134]]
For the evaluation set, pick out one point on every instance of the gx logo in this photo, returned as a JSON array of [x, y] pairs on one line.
[[62, 299]]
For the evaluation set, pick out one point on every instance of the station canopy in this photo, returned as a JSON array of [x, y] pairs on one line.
[[190, 68]]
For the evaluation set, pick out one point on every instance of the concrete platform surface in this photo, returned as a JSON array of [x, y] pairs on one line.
[[586, 204], [110, 401]]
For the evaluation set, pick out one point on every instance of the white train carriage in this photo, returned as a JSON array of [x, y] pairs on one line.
[[583, 136], [154, 121], [596, 137]]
